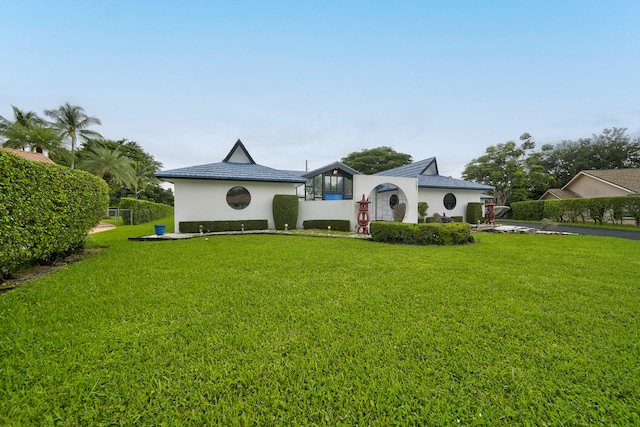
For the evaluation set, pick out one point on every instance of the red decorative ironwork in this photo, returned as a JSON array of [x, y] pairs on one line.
[[490, 215], [363, 216]]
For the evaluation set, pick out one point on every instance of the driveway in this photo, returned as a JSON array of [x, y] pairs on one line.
[[588, 231]]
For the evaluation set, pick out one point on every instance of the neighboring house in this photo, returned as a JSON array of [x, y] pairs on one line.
[[598, 183], [36, 157], [239, 189]]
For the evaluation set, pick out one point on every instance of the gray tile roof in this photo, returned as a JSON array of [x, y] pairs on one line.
[[411, 170], [437, 181], [232, 172], [416, 169], [327, 168]]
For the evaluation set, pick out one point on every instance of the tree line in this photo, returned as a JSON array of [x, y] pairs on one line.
[[519, 172], [65, 135]]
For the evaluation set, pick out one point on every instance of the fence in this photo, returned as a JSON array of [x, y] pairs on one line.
[[117, 213]]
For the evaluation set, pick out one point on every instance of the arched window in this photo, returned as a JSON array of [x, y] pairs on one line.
[[238, 197], [449, 201]]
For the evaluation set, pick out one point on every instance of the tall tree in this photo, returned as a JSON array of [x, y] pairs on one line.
[[143, 163], [20, 117], [111, 165], [27, 130], [73, 123], [612, 149], [503, 166], [370, 161]]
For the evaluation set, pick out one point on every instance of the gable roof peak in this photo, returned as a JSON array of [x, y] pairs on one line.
[[239, 154]]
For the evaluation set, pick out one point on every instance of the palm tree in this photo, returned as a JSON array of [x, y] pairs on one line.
[[21, 117], [29, 130], [41, 138], [110, 165], [73, 122], [144, 176]]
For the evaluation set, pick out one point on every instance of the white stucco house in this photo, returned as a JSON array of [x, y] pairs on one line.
[[240, 189]]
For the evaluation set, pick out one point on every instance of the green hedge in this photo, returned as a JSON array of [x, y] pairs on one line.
[[144, 211], [323, 224], [596, 209], [285, 211], [474, 213], [531, 210], [46, 210], [217, 226], [421, 234]]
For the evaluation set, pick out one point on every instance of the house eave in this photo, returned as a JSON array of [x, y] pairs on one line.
[[225, 178]]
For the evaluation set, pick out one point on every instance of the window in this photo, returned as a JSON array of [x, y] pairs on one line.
[[393, 200], [333, 185], [449, 201], [238, 197]]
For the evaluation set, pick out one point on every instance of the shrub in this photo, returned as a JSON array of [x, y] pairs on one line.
[[144, 211], [399, 211], [474, 213], [421, 234], [531, 210], [595, 208], [598, 209], [422, 208], [633, 208], [46, 210], [572, 209], [323, 224], [217, 226], [285, 211], [552, 210]]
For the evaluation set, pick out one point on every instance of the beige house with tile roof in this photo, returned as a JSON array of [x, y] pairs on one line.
[[29, 155], [598, 183]]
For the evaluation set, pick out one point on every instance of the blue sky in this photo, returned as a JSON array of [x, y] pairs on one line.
[[312, 81]]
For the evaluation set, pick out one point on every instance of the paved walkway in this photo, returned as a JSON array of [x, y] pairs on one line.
[[103, 226], [587, 231]]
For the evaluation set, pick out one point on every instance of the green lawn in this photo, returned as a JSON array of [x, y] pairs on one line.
[[294, 330]]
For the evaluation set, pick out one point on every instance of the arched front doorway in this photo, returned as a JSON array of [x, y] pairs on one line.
[[385, 192], [388, 203]]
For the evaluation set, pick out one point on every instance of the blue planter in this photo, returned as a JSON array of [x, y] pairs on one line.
[[160, 228]]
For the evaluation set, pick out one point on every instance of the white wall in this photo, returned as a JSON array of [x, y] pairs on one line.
[[327, 209], [435, 198], [366, 184], [348, 209], [206, 200]]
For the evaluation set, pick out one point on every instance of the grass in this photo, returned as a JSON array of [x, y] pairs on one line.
[[588, 224], [290, 330]]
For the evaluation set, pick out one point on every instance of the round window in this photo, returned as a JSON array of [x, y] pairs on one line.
[[449, 201], [238, 197], [393, 200]]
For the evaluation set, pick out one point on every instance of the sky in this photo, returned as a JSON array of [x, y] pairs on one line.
[[305, 83]]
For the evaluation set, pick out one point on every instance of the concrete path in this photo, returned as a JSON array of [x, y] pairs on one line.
[[103, 226], [587, 231]]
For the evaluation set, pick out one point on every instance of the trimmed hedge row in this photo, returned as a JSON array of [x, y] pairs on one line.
[[421, 234], [323, 224], [285, 211], [217, 226], [144, 211], [46, 210], [596, 209]]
